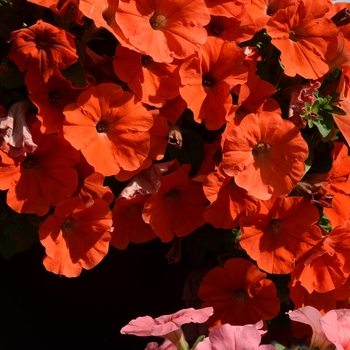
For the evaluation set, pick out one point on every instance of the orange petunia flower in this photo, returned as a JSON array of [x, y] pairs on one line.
[[239, 293], [164, 30], [152, 82], [343, 121], [265, 154], [128, 223], [237, 29], [226, 8], [320, 269], [228, 202], [90, 185], [66, 9], [103, 12], [304, 36], [323, 302], [262, 10], [42, 178], [110, 127], [280, 232], [76, 236], [42, 48], [178, 206], [158, 143], [335, 183], [208, 79], [51, 98]]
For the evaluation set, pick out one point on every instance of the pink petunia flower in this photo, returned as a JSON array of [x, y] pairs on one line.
[[336, 326], [311, 316], [227, 337], [167, 326], [15, 136], [166, 345]]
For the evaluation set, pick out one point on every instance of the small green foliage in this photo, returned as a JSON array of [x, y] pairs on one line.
[[321, 113], [199, 339], [280, 347], [325, 223], [75, 73]]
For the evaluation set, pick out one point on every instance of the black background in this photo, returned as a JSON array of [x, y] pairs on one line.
[[40, 310]]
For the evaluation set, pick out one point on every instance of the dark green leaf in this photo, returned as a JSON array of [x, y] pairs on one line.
[[10, 76], [324, 124], [75, 73], [310, 158], [338, 111]]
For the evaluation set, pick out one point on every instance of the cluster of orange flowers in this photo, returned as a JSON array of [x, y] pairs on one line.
[[234, 114]]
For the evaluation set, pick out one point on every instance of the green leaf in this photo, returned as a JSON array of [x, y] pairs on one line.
[[192, 151], [75, 73], [10, 76], [338, 111], [16, 235], [9, 21], [325, 223], [198, 340], [324, 124], [310, 158], [280, 347]]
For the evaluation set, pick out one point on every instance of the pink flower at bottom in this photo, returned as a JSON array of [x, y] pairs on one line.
[[167, 326], [227, 337], [336, 326], [166, 345], [312, 317]]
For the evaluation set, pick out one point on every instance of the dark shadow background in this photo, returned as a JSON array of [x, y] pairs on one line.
[[39, 310]]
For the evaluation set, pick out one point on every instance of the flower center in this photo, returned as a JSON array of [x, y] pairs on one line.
[[100, 127], [28, 164], [172, 193], [53, 97], [261, 150], [293, 36], [146, 60], [241, 294], [274, 226], [157, 21], [207, 81], [217, 31]]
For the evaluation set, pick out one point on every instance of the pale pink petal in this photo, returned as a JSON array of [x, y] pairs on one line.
[[147, 181], [15, 136], [227, 337], [336, 326], [167, 345], [311, 316], [163, 325]]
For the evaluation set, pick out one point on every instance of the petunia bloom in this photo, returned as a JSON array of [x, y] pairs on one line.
[[336, 326], [227, 337], [265, 154], [228, 202], [280, 232], [76, 236], [42, 48], [152, 82], [110, 127], [42, 178], [164, 30], [239, 293], [15, 136], [51, 98], [311, 316], [304, 36], [167, 326], [208, 79], [178, 206]]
